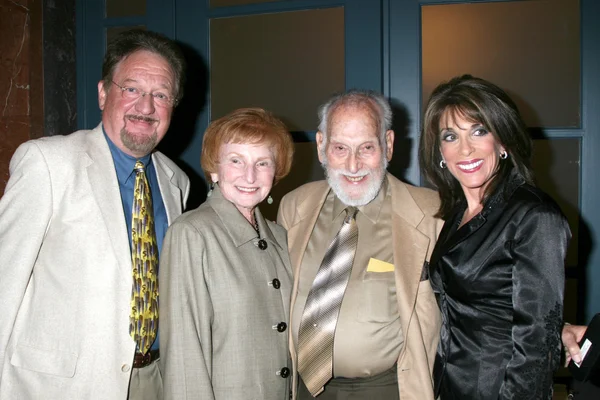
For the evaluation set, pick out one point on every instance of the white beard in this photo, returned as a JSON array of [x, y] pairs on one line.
[[335, 178]]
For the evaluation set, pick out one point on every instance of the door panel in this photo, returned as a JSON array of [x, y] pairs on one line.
[[382, 51], [563, 153], [344, 53]]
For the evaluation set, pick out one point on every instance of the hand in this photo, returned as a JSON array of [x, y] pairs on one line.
[[571, 336]]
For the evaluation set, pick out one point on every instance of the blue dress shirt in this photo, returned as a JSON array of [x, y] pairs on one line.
[[124, 165]]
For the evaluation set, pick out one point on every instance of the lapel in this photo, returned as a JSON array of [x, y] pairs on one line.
[[307, 211], [450, 237], [442, 244], [411, 247], [105, 188], [170, 192]]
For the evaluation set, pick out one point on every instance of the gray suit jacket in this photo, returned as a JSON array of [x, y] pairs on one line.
[[220, 309], [65, 269]]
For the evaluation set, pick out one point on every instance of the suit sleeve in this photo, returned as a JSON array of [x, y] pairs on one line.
[[25, 212], [186, 316], [539, 251]]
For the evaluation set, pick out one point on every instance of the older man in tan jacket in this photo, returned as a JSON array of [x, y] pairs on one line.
[[386, 329]]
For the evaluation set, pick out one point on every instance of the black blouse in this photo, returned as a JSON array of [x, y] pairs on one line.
[[499, 283]]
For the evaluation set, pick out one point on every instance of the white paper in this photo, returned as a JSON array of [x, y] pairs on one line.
[[587, 345]]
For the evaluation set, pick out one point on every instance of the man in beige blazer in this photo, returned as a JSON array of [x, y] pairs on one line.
[[388, 326], [65, 258]]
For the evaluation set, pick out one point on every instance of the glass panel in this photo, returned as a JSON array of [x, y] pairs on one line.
[[288, 63], [225, 3], [129, 8], [114, 31], [529, 48], [556, 165], [305, 168]]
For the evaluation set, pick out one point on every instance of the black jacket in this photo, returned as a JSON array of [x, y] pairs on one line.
[[499, 282]]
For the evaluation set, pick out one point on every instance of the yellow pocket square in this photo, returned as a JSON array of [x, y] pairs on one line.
[[376, 265]]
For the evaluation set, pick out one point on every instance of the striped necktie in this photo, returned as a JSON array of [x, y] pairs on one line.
[[319, 320], [143, 323]]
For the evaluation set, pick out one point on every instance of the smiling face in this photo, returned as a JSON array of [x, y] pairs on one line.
[[471, 153], [353, 158], [245, 175], [137, 126]]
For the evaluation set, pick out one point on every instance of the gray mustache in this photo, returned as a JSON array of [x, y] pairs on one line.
[[140, 118]]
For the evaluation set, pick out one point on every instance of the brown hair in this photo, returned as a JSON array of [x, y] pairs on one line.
[[476, 100], [129, 42], [248, 125]]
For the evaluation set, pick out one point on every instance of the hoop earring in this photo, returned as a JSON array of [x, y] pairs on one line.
[[442, 164], [504, 155]]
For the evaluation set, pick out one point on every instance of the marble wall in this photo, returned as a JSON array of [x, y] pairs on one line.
[[60, 74], [20, 118], [37, 73]]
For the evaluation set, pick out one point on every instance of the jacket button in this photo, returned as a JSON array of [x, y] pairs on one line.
[[125, 368], [284, 372], [281, 327], [276, 283]]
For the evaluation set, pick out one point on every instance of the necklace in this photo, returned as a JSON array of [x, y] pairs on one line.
[[261, 243]]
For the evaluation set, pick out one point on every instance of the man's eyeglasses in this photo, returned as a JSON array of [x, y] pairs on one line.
[[133, 93]]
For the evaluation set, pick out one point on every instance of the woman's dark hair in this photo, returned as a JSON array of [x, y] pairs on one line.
[[480, 101], [129, 42]]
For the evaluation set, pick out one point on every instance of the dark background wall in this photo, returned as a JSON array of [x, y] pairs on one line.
[[37, 73]]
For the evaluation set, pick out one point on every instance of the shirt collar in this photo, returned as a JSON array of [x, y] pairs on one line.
[[124, 163], [370, 210]]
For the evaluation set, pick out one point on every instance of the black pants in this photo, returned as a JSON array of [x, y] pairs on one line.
[[589, 390], [379, 387]]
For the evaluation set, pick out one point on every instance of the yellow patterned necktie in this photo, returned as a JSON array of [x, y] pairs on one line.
[[143, 322]]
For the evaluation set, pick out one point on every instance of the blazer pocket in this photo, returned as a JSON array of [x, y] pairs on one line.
[[378, 276], [53, 362]]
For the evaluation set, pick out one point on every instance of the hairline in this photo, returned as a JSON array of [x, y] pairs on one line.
[[370, 101]]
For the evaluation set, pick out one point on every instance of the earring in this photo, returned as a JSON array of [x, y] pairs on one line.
[[212, 186], [269, 200], [442, 164], [504, 155]]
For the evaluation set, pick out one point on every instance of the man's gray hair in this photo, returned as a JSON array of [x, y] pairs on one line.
[[357, 98]]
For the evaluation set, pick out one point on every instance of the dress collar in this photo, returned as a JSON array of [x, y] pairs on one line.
[[238, 227]]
